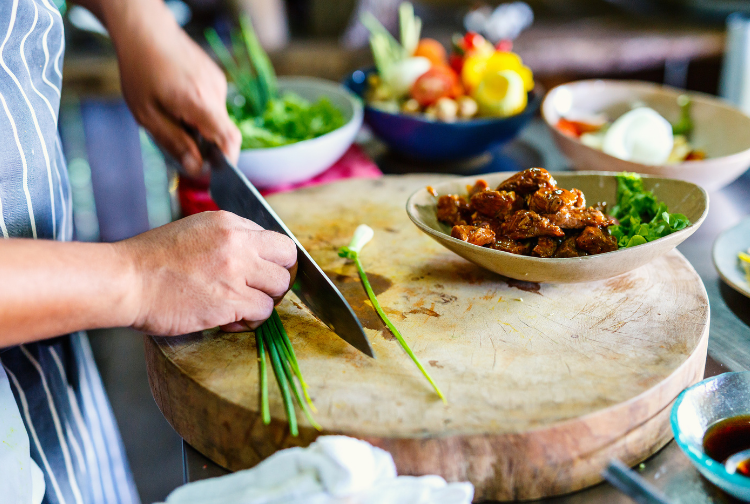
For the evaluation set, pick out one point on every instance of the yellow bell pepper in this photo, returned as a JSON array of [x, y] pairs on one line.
[[501, 94], [473, 70], [476, 66]]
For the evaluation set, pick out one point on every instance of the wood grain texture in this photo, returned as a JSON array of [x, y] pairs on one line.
[[545, 382]]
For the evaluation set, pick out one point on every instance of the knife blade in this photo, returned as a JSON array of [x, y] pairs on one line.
[[232, 191]]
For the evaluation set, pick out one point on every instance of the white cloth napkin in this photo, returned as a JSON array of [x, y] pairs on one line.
[[332, 470], [21, 479]]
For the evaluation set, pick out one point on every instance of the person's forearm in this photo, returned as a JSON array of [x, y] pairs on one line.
[[125, 19], [51, 288]]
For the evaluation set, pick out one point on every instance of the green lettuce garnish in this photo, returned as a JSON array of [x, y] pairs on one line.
[[289, 119], [642, 217]]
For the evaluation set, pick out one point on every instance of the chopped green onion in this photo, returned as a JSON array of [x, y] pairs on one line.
[[362, 235], [272, 336], [265, 411]]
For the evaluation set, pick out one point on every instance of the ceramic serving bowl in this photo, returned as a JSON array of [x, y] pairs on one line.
[[680, 196], [418, 138], [720, 129], [699, 407], [300, 161], [726, 247]]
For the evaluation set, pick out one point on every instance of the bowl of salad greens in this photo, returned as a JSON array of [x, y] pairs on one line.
[[293, 128]]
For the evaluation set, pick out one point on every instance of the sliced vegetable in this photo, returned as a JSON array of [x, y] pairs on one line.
[[642, 217], [501, 94], [271, 339], [411, 27], [362, 235], [405, 73]]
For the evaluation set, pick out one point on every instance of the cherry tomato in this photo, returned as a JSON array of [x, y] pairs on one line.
[[440, 81], [456, 62], [505, 45], [432, 50], [473, 40]]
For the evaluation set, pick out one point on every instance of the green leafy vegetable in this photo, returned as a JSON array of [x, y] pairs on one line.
[[264, 118], [642, 217], [362, 235], [289, 119]]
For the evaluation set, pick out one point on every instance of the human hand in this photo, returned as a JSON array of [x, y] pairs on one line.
[[211, 269], [167, 80]]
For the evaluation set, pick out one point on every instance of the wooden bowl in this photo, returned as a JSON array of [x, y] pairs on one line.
[[680, 196], [720, 129]]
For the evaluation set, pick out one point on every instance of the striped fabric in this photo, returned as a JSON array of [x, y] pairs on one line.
[[72, 435]]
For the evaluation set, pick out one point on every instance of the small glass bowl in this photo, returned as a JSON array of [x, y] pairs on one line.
[[699, 407]]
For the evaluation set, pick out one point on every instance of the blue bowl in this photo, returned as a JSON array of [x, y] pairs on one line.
[[699, 407], [425, 140]]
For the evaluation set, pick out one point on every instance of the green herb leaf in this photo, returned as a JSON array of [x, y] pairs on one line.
[[642, 217]]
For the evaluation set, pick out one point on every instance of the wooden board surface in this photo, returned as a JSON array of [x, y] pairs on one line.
[[545, 383]]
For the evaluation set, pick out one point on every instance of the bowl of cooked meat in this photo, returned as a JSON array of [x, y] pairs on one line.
[[562, 227]]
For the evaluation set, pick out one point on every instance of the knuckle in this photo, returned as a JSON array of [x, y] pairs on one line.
[[262, 306], [281, 283]]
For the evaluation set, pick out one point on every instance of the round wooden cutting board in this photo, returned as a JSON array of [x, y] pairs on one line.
[[545, 383]]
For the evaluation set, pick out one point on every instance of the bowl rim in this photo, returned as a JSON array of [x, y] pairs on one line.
[[557, 260], [713, 100], [535, 99], [745, 291], [357, 112], [700, 459]]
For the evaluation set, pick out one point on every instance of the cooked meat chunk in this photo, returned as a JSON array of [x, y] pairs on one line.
[[474, 235], [528, 215], [527, 224], [480, 186], [549, 201], [528, 181], [580, 198], [579, 218], [453, 209], [568, 248], [545, 247], [594, 240], [496, 204], [507, 244]]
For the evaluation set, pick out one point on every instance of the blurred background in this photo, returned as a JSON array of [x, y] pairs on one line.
[[121, 185]]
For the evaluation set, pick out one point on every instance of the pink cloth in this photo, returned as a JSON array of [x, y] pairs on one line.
[[194, 197]]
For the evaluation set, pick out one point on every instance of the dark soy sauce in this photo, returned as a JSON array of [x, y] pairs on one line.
[[727, 437]]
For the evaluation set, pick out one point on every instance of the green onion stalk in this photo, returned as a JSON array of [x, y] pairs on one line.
[[362, 236], [272, 339]]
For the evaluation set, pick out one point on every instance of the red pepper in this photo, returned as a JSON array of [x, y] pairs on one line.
[[456, 62], [473, 40], [505, 45]]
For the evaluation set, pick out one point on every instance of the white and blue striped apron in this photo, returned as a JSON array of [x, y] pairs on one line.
[[53, 406]]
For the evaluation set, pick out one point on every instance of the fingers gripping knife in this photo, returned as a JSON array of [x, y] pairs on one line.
[[232, 191]]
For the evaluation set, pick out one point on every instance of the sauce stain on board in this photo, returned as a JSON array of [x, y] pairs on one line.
[[425, 311], [531, 287]]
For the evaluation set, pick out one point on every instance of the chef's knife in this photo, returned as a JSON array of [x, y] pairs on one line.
[[232, 191]]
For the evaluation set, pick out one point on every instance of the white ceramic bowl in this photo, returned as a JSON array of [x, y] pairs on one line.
[[300, 161], [720, 129]]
